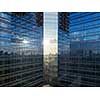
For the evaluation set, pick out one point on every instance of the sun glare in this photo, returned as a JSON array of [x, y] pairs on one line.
[[46, 42], [25, 41]]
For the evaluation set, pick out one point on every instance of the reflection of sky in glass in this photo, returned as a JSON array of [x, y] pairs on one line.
[[15, 37], [50, 32], [89, 27]]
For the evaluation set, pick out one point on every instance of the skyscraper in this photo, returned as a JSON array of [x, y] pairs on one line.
[[50, 47], [21, 49], [79, 49]]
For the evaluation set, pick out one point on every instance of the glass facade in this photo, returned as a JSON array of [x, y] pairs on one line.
[[23, 62], [21, 50], [50, 47], [79, 49]]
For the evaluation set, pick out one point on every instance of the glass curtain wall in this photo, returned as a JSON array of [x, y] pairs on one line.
[[50, 47], [81, 66], [21, 50]]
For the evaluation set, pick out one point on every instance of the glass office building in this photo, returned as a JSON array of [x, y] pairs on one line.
[[50, 47], [79, 49], [21, 50]]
